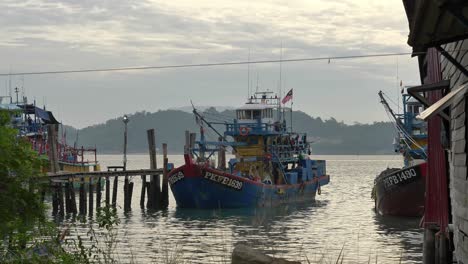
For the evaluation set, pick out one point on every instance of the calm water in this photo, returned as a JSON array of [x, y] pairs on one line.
[[341, 219]]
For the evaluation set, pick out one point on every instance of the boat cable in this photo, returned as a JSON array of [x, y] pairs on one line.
[[281, 60]]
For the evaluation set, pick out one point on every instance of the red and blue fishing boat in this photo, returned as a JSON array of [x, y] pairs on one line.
[[400, 191], [270, 163]]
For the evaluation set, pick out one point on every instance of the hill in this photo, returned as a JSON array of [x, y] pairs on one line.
[[330, 136]]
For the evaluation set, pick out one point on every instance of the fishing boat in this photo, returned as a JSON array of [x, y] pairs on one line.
[[400, 191], [32, 124], [270, 164]]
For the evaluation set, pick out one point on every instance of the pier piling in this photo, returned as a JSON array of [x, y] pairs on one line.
[[154, 190], [98, 193], [61, 208], [107, 190], [82, 197], [73, 208], [143, 191], [126, 195], [114, 191], [187, 142], [54, 200], [67, 198], [165, 187], [193, 137], [91, 202]]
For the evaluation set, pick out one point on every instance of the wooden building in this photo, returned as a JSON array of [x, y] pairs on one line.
[[439, 37]]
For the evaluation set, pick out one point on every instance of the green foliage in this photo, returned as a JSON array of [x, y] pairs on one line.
[[26, 236], [20, 203]]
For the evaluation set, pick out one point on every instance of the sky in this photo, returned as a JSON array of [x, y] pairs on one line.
[[50, 35]]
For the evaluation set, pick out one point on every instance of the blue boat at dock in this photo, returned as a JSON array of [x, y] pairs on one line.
[[271, 163]]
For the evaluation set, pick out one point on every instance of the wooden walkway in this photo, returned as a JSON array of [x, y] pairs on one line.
[[65, 176]]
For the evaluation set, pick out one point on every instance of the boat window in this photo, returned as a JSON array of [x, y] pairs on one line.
[[256, 114], [248, 114]]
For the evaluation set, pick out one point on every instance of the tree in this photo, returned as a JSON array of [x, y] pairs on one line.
[[20, 202]]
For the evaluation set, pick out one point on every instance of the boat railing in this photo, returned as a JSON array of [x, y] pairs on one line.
[[256, 128]]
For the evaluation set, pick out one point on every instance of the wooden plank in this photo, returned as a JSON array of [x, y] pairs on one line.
[[459, 109], [459, 159], [459, 146], [459, 172], [459, 121], [458, 134]]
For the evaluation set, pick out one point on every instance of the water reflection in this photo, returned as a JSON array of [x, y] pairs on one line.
[[407, 230], [342, 218]]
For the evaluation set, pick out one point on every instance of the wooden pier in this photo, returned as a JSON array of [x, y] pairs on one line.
[[90, 186]]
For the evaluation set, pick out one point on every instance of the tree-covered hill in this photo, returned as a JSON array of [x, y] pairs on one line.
[[330, 136]]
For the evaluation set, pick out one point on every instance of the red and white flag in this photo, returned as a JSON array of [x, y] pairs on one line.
[[288, 97]]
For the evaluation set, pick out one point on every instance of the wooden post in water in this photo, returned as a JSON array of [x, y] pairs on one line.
[[61, 208], [107, 191], [72, 197], [98, 193], [221, 156], [67, 198], [54, 199], [130, 193], [154, 191], [187, 142], [143, 191], [114, 191], [90, 189], [165, 187], [82, 197], [193, 137], [52, 141], [126, 193]]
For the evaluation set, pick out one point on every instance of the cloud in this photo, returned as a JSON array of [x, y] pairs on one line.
[[76, 34]]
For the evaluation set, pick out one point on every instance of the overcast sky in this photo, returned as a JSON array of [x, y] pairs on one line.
[[41, 35]]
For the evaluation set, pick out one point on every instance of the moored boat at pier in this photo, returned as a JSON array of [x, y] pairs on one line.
[[271, 164], [400, 191]]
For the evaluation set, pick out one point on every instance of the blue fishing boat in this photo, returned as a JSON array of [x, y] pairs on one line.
[[270, 163]]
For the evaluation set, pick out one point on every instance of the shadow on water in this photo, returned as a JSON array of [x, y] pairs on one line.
[[406, 229], [248, 216]]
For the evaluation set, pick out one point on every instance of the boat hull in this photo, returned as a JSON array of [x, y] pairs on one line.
[[400, 192], [202, 187]]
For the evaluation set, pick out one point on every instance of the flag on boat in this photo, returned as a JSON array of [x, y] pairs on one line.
[[288, 97]]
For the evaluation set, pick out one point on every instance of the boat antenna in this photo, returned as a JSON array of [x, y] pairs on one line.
[[248, 76], [281, 69], [256, 89]]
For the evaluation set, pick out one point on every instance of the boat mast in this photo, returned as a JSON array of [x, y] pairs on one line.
[[387, 107]]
